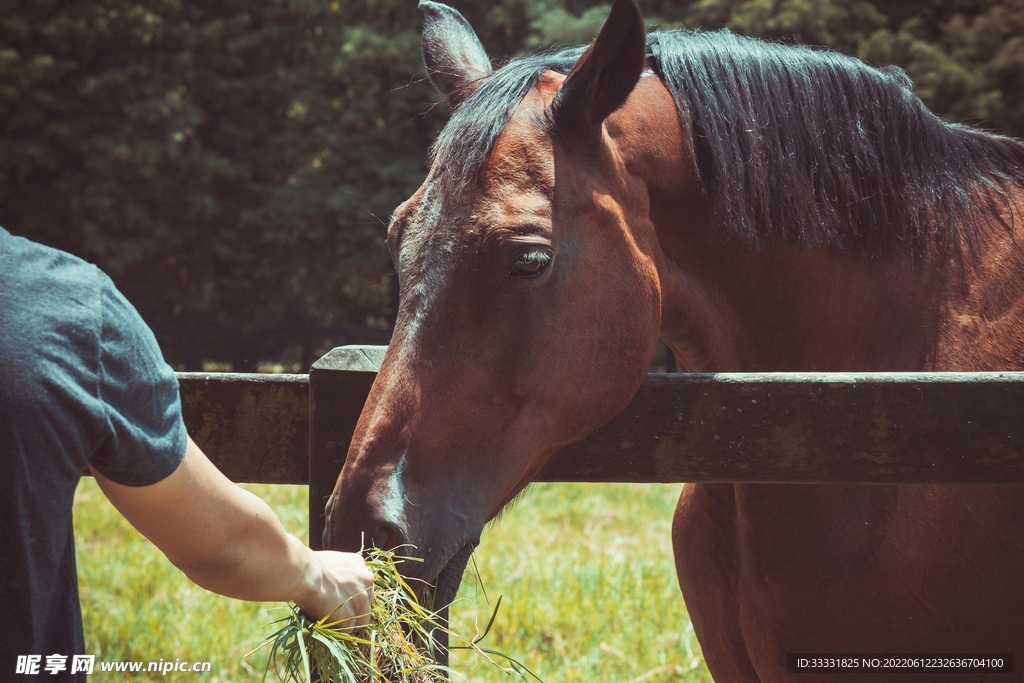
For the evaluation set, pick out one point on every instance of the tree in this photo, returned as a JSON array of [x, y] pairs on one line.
[[224, 162], [842, 24], [966, 60]]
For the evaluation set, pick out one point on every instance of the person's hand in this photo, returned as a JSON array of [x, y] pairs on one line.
[[346, 590]]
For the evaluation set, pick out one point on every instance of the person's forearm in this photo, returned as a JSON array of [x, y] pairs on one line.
[[318, 582], [260, 561]]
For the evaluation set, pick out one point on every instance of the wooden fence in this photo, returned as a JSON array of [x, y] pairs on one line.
[[779, 427]]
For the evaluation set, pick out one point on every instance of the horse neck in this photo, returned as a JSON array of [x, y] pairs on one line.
[[728, 305]]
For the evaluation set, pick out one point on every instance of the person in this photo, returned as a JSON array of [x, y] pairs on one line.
[[83, 384]]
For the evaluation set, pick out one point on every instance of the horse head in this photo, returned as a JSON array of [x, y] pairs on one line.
[[529, 307]]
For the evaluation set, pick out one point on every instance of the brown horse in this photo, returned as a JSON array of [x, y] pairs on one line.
[[757, 207]]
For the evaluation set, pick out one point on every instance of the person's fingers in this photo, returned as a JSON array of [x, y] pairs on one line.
[[347, 590]]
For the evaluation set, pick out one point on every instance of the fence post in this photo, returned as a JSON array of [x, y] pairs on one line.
[[338, 386]]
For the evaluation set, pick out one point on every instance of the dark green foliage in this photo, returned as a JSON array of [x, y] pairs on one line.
[[966, 59], [224, 162], [840, 23], [231, 164]]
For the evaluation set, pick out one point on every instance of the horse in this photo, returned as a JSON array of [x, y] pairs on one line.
[[756, 206]]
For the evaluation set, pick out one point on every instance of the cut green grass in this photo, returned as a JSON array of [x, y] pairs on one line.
[[585, 571], [385, 651], [398, 645]]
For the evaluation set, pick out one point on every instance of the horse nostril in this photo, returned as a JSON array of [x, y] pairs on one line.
[[387, 537]]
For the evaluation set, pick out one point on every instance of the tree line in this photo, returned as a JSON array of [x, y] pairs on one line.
[[232, 165]]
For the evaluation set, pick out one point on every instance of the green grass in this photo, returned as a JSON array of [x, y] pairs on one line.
[[585, 571]]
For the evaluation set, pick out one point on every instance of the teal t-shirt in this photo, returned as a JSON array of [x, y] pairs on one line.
[[82, 384]]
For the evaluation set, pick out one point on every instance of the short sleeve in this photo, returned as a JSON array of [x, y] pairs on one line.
[[146, 435]]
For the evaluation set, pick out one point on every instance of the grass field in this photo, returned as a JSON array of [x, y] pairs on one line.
[[585, 571]]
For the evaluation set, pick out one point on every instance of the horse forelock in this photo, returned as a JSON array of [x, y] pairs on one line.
[[464, 144], [426, 250]]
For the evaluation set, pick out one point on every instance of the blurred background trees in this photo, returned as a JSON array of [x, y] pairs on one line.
[[232, 164]]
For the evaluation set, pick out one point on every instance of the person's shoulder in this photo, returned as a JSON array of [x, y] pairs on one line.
[[31, 264], [50, 297]]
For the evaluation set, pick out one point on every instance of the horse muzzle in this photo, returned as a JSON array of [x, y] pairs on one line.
[[438, 555]]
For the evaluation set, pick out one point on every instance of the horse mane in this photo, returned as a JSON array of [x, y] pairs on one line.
[[791, 143]]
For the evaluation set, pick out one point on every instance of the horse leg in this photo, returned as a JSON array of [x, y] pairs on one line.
[[704, 542]]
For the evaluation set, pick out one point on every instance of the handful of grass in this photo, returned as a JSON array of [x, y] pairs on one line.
[[396, 646]]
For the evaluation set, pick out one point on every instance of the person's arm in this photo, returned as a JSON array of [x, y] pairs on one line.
[[229, 541]]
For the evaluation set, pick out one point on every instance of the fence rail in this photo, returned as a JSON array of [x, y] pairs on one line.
[[254, 427], [803, 427]]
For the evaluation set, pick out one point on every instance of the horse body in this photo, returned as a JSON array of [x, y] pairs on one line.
[[772, 569], [559, 236]]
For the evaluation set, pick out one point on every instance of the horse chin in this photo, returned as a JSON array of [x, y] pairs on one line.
[[445, 588]]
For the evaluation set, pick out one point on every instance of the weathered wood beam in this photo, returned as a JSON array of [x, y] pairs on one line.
[[254, 427], [809, 428], [863, 428]]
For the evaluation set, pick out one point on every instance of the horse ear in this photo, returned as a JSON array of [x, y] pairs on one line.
[[605, 74], [455, 59]]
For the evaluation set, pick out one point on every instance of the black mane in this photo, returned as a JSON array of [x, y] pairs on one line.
[[791, 143]]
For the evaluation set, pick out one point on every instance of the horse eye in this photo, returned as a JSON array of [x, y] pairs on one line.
[[530, 262]]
